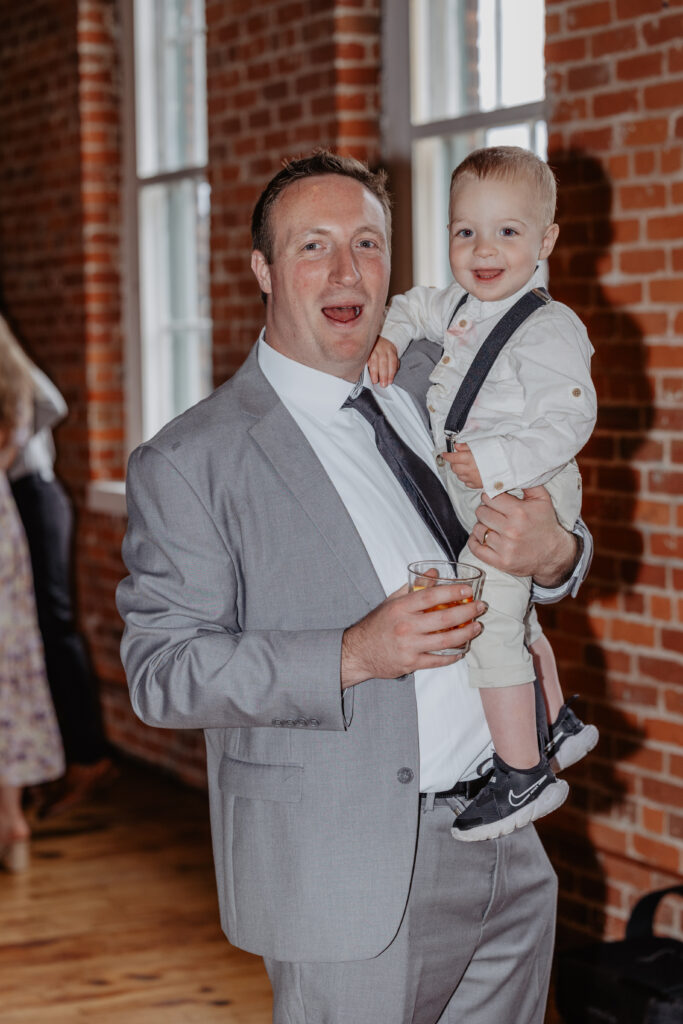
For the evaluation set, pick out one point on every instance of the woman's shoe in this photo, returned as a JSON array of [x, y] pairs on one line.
[[16, 856]]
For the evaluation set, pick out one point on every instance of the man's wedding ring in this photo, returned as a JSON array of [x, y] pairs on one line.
[[483, 539]]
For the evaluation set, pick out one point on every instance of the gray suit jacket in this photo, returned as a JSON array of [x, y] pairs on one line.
[[245, 569]]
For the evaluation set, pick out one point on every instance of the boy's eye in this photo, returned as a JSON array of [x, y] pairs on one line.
[[464, 233], [508, 232]]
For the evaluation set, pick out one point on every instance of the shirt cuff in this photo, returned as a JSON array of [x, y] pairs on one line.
[[495, 470], [570, 587]]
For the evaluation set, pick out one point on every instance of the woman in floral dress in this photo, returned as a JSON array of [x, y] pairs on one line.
[[30, 745]]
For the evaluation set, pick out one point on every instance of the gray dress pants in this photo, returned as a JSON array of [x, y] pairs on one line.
[[474, 947]]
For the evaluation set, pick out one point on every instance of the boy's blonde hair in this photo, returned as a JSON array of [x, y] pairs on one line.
[[508, 163]]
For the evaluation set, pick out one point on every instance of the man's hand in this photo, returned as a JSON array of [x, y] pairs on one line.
[[463, 465], [523, 537], [395, 638], [383, 362]]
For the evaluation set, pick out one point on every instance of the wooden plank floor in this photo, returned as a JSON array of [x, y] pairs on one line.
[[117, 919]]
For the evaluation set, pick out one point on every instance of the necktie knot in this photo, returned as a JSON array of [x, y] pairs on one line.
[[366, 404]]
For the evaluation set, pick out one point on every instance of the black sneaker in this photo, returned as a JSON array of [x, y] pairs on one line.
[[510, 799], [570, 739]]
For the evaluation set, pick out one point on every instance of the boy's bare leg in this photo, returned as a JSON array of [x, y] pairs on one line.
[[511, 715], [546, 673]]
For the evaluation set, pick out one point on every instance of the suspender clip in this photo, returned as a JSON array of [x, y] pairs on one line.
[[451, 439]]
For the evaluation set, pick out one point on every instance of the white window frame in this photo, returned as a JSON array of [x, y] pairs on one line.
[[108, 496], [398, 134]]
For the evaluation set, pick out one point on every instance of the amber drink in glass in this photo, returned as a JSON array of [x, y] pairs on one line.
[[434, 573]]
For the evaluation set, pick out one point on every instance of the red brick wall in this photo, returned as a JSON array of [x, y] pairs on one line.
[[615, 85], [41, 216]]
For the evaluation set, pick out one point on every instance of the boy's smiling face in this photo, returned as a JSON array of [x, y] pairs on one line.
[[497, 235]]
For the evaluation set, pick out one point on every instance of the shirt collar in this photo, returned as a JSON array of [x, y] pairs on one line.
[[313, 391], [479, 309]]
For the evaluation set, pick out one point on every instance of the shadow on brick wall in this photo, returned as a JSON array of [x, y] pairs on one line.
[[587, 633]]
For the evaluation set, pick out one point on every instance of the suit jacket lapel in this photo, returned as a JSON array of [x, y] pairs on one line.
[[302, 473]]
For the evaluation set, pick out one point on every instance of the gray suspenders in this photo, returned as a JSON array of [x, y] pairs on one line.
[[486, 357]]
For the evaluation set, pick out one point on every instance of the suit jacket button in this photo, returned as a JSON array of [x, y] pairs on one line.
[[405, 775], [276, 721], [301, 723], [314, 722]]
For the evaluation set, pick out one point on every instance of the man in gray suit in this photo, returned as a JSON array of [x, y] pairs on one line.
[[267, 548]]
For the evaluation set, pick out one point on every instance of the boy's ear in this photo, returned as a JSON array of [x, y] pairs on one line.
[[548, 243], [259, 265]]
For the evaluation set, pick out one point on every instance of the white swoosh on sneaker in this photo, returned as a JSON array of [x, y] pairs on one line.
[[517, 799]]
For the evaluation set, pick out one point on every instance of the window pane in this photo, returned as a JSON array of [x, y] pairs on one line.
[[474, 55], [522, 29], [433, 163], [174, 299], [443, 81], [487, 58], [510, 135], [170, 70]]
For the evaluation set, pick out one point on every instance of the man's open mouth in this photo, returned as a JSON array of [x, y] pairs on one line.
[[342, 314]]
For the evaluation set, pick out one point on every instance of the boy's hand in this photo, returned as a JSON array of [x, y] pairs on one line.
[[383, 362], [463, 465]]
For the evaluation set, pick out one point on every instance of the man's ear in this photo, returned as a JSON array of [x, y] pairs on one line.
[[548, 243], [261, 269]]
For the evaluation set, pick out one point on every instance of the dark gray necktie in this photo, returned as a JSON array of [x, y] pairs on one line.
[[420, 483]]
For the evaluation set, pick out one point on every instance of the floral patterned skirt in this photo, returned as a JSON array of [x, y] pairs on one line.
[[30, 744]]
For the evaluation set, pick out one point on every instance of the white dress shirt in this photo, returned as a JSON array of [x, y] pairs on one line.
[[453, 734], [537, 407]]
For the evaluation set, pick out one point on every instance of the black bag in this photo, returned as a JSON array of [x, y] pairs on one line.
[[636, 981]]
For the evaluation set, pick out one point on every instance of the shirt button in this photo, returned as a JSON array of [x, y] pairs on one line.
[[576, 392], [431, 408], [440, 460], [462, 323], [446, 359], [405, 775], [498, 485]]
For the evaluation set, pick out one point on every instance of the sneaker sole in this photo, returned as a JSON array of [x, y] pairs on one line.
[[574, 748], [551, 798]]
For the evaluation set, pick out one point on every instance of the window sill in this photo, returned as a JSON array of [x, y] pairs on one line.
[[108, 496]]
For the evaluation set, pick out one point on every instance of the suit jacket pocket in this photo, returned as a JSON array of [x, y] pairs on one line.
[[280, 782]]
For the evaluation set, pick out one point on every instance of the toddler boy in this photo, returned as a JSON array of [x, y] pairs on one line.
[[534, 412]]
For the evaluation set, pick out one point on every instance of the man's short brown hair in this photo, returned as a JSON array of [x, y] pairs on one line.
[[320, 163], [508, 163]]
